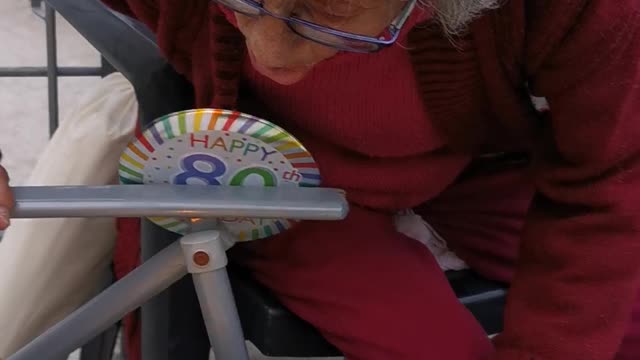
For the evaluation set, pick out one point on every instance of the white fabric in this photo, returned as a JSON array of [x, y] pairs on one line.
[[48, 267], [413, 226], [541, 104]]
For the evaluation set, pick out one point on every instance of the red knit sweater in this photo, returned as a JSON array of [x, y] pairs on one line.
[[358, 115], [578, 273]]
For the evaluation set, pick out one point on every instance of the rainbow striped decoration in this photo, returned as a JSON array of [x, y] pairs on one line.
[[159, 134]]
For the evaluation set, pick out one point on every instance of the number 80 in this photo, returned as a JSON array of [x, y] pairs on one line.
[[219, 169]]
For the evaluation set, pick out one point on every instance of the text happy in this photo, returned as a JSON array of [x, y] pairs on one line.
[[233, 146]]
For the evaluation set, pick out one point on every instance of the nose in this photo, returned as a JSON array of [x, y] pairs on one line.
[[276, 51], [272, 33]]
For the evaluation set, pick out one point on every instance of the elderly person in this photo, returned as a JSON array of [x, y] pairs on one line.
[[405, 104]]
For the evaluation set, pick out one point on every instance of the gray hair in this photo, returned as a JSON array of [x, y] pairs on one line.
[[455, 15]]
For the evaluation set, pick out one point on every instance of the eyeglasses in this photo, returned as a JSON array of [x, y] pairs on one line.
[[325, 35]]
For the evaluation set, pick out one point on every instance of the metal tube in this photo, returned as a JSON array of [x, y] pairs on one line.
[[206, 260], [36, 8], [220, 315], [36, 71], [36, 3], [107, 308], [178, 201], [105, 67], [52, 67], [102, 346]]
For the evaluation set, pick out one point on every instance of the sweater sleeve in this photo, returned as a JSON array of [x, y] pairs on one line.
[[176, 24], [578, 275]]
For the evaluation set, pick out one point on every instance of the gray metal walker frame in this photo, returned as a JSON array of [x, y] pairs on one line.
[[201, 253]]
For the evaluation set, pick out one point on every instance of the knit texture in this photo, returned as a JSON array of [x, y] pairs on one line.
[[577, 276]]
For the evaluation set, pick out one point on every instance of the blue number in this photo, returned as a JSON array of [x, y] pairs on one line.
[[190, 171]]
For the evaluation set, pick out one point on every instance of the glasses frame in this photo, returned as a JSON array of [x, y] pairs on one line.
[[393, 29]]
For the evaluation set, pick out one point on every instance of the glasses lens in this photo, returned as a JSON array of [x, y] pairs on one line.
[[240, 6], [332, 40]]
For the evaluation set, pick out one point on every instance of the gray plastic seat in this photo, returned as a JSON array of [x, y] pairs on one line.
[[275, 331]]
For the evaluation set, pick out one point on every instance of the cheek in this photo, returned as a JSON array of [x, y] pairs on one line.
[[242, 23], [280, 44], [373, 26], [290, 51]]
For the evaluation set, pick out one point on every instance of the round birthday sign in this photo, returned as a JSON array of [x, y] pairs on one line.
[[218, 147]]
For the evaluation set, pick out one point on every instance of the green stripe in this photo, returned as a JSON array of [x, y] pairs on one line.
[[182, 123], [267, 230], [276, 137], [129, 171], [255, 234], [167, 128], [261, 132], [127, 181]]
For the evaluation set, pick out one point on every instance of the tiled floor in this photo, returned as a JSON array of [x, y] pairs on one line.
[[23, 101]]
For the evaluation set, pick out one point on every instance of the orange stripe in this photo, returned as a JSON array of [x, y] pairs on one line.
[[287, 146], [214, 119], [298, 155], [138, 152]]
